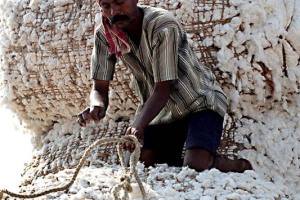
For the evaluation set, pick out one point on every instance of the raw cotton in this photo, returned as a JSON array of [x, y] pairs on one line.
[[252, 47]]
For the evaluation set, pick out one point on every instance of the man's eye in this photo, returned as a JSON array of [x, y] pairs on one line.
[[105, 6], [119, 2]]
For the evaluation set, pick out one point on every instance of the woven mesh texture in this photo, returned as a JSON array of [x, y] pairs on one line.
[[54, 71]]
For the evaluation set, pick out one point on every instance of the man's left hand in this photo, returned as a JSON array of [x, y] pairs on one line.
[[138, 133]]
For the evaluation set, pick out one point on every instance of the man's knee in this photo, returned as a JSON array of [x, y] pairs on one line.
[[198, 159]]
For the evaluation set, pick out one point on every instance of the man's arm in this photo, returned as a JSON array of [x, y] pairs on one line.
[[99, 93], [154, 104], [151, 109], [98, 103]]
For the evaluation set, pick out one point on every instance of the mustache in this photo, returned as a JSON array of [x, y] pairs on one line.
[[118, 18]]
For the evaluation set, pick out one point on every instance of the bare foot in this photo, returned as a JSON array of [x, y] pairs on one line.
[[228, 165]]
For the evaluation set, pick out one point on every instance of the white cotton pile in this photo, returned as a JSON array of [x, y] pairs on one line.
[[45, 48], [259, 62], [36, 82], [12, 160], [162, 182], [274, 176], [45, 56], [256, 49]]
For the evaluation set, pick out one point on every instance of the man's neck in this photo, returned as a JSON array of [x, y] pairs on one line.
[[134, 31]]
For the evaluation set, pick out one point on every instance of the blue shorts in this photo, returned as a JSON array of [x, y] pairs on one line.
[[198, 130]]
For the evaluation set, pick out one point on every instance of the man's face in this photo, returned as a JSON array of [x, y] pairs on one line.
[[119, 12]]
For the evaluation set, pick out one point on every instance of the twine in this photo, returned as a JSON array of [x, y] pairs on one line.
[[125, 180]]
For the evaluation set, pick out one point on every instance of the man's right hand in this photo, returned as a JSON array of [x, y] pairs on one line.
[[94, 113]]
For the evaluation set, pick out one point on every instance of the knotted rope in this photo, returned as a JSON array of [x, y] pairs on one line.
[[125, 181]]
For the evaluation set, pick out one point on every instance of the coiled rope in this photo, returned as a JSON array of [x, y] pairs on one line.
[[125, 180]]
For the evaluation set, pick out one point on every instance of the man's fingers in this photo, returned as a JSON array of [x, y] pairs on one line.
[[128, 131], [87, 117], [97, 113], [83, 117], [80, 121], [95, 117], [132, 147], [129, 146]]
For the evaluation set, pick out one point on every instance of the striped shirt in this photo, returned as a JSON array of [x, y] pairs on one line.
[[163, 54]]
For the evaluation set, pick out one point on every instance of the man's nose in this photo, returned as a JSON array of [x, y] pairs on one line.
[[115, 10]]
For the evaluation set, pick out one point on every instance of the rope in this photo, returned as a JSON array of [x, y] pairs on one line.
[[125, 180]]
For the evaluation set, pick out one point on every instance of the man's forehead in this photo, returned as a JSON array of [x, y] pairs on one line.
[[106, 1]]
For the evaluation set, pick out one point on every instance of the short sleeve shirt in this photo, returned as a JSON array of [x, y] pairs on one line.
[[163, 54]]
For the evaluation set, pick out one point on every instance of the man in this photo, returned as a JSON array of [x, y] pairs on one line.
[[181, 102]]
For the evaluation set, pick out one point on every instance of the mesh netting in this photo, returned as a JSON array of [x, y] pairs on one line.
[[56, 63], [252, 47], [51, 73]]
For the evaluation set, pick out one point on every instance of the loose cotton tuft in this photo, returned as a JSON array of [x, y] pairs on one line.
[[253, 48]]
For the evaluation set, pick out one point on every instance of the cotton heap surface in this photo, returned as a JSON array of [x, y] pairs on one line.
[[45, 55], [252, 46]]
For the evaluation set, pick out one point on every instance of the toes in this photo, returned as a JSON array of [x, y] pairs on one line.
[[246, 165]]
